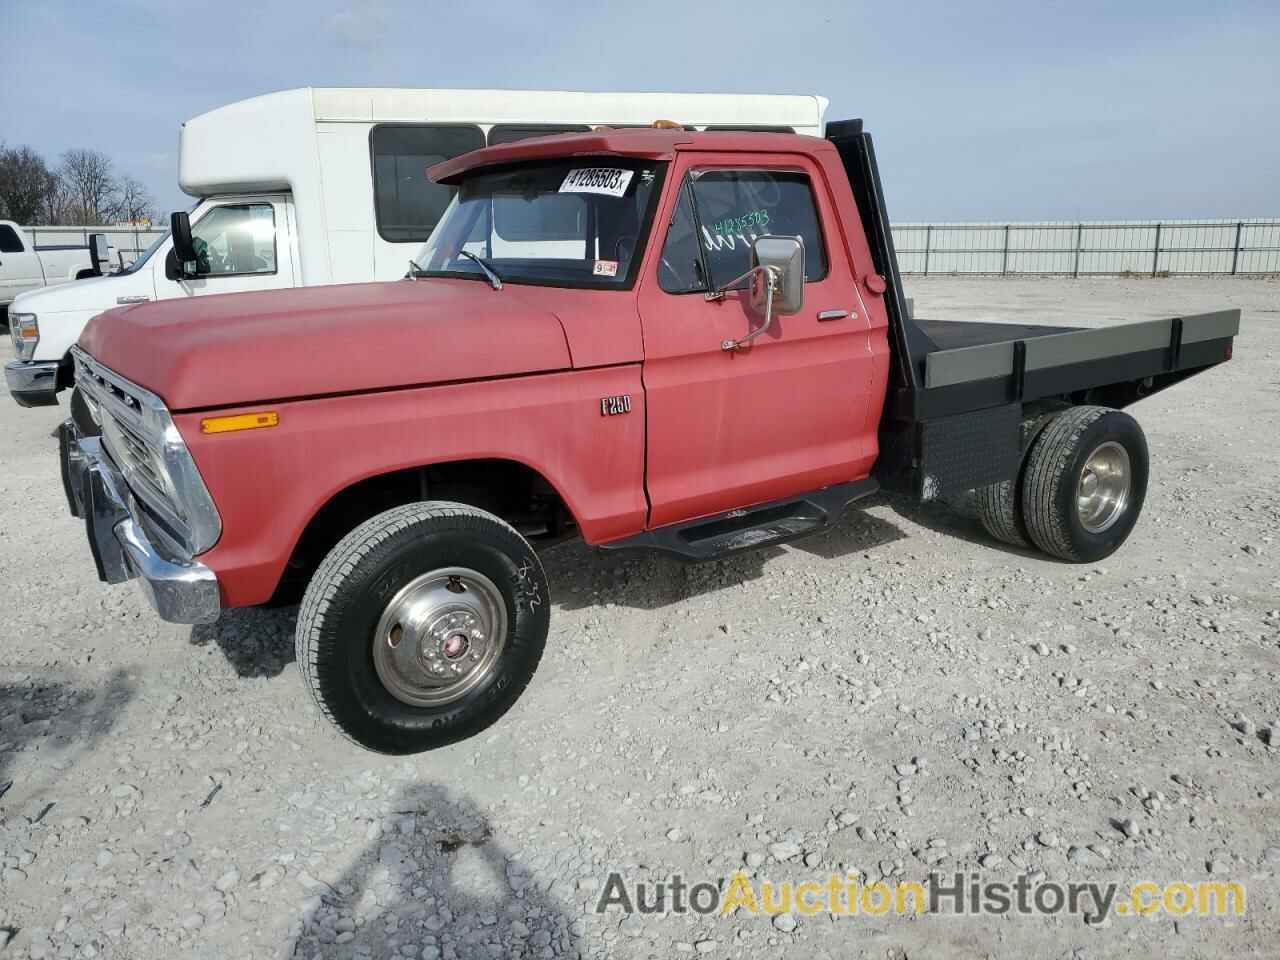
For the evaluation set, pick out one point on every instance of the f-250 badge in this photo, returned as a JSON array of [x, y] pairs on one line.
[[612, 406]]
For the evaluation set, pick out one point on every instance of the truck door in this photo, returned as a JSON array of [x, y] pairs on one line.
[[786, 414], [243, 244], [19, 265]]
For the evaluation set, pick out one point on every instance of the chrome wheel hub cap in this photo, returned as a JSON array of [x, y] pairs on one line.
[[440, 637], [1102, 493]]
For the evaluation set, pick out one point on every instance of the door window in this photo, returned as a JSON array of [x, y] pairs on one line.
[[722, 212], [407, 204], [681, 268], [236, 239], [9, 240]]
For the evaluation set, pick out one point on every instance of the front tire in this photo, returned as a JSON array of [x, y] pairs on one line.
[[423, 626], [1084, 483]]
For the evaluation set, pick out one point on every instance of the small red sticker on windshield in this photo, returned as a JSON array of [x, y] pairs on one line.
[[605, 268]]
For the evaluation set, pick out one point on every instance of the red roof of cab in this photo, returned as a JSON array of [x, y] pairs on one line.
[[643, 142]]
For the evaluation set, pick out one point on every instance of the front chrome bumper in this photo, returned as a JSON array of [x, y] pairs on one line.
[[180, 592], [32, 383]]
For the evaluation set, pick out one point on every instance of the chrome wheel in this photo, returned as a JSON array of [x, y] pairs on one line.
[[440, 637], [1102, 493]]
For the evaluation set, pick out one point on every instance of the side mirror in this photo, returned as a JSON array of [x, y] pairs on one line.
[[180, 228], [99, 253], [181, 261], [777, 283], [783, 259], [172, 265]]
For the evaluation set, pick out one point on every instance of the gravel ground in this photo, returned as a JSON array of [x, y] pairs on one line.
[[895, 696]]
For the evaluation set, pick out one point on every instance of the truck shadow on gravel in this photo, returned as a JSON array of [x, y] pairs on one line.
[[584, 577], [45, 726], [257, 641], [435, 883], [957, 519]]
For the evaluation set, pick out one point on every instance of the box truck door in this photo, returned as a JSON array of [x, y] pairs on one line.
[[241, 244]]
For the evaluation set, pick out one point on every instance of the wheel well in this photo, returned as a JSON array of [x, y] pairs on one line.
[[66, 373], [513, 491]]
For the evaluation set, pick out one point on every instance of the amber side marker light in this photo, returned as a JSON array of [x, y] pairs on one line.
[[242, 421]]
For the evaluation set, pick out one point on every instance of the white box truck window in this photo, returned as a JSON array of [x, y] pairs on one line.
[[407, 204]]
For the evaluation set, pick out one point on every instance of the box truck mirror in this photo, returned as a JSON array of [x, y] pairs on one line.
[[99, 252]]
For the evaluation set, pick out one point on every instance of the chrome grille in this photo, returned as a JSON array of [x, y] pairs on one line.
[[139, 450]]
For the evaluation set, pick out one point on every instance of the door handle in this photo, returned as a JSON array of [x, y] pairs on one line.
[[121, 301], [824, 315]]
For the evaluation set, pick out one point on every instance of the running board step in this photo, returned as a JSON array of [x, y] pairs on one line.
[[766, 524]]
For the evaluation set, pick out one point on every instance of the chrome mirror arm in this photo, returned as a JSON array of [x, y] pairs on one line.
[[771, 282], [718, 294]]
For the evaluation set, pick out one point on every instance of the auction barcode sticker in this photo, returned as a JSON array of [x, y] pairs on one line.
[[610, 181]]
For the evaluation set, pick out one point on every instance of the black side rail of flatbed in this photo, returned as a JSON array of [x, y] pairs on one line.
[[1115, 365]]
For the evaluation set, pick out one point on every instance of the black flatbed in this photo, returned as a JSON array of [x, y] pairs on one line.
[[950, 334], [959, 391], [979, 365]]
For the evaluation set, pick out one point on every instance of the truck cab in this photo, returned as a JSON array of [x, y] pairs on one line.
[[665, 340], [25, 266]]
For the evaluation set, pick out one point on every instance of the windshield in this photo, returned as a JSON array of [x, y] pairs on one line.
[[145, 255], [572, 222]]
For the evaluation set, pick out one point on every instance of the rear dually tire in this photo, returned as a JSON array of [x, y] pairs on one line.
[[1084, 483], [999, 505]]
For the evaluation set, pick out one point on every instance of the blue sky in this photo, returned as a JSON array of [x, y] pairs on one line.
[[985, 111]]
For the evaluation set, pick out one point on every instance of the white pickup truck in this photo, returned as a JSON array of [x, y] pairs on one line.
[[24, 266], [329, 185]]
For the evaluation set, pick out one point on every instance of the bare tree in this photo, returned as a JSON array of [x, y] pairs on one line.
[[24, 181], [83, 190], [133, 202], [90, 184], [55, 200]]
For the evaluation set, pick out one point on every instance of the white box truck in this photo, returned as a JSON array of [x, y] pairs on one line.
[[329, 185]]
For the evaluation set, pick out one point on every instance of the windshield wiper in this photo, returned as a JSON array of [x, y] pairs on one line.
[[415, 271], [495, 281]]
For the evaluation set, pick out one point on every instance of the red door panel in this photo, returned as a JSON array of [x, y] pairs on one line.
[[783, 416]]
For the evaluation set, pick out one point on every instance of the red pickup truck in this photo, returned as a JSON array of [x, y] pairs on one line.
[[689, 342]]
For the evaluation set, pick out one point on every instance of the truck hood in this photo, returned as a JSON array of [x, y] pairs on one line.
[[247, 348], [91, 293]]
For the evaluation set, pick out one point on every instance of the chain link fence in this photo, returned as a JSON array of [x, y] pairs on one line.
[[127, 242], [1153, 248]]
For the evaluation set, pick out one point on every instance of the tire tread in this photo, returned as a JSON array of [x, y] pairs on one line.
[[1047, 462], [342, 561], [997, 505]]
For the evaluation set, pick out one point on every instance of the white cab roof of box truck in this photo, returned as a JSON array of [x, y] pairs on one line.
[[268, 142]]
